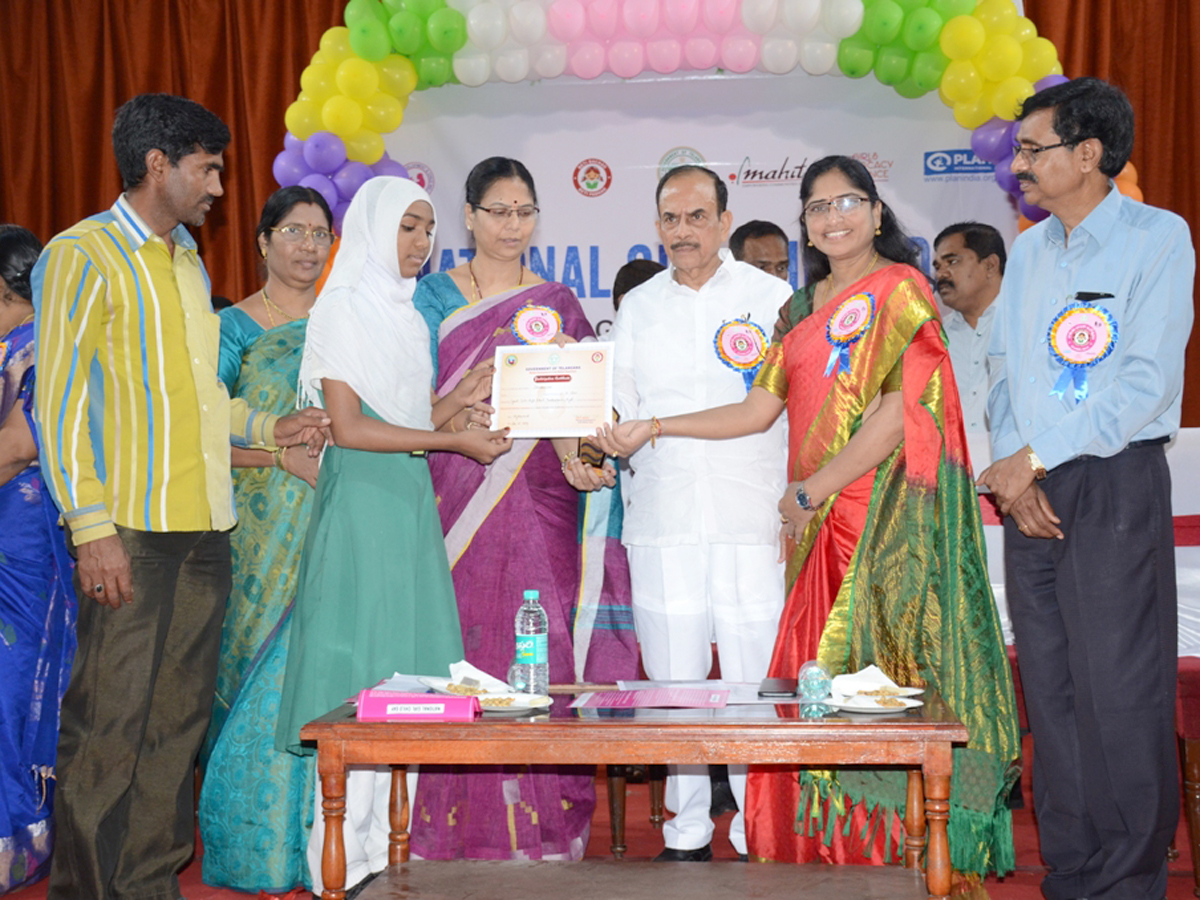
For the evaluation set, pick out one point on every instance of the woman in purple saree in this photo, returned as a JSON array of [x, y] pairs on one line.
[[517, 524]]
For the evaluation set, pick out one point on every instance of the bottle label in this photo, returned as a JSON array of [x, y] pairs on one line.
[[532, 650]]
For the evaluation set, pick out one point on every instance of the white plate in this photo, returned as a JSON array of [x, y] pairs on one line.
[[869, 705], [520, 702]]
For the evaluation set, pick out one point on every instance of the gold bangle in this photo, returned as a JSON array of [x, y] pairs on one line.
[[567, 459], [278, 454], [453, 429], [1039, 470], [655, 431]]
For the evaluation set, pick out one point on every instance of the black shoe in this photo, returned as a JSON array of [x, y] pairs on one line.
[[743, 857], [700, 854], [722, 799]]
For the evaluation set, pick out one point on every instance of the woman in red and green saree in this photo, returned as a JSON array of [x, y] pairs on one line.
[[881, 531]]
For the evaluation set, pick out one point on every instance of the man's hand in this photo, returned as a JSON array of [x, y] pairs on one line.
[[103, 571], [309, 426], [303, 466], [1034, 515], [1008, 478]]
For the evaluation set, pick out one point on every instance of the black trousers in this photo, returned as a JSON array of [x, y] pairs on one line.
[[1095, 623], [133, 717]]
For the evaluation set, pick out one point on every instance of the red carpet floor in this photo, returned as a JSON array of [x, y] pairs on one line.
[[643, 841]]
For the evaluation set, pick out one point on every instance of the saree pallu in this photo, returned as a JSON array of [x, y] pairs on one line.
[[37, 639], [891, 571], [256, 803], [513, 525]]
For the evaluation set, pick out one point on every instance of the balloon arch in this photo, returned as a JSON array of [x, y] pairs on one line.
[[984, 59]]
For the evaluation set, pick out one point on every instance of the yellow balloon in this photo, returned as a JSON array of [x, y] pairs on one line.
[[318, 81], [972, 114], [1039, 57], [997, 16], [1057, 70], [1024, 30], [382, 112], [961, 82], [962, 37], [335, 44], [1000, 57], [397, 76], [303, 118], [341, 115], [357, 78], [941, 91], [320, 58], [364, 146], [1009, 95]]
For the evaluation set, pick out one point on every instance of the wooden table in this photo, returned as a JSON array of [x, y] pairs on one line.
[[919, 739]]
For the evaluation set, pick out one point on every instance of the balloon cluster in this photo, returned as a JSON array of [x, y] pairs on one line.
[[898, 39]]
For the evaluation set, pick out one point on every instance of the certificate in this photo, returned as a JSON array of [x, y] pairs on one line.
[[545, 391]]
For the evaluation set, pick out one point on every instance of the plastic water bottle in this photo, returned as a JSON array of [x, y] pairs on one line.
[[530, 671]]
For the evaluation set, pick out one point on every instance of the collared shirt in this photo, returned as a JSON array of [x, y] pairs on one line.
[[968, 358], [1141, 255], [665, 363], [135, 424]]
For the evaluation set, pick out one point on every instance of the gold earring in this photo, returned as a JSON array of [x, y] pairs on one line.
[[878, 231], [263, 251], [810, 243]]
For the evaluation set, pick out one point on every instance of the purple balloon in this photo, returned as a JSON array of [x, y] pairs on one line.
[[388, 166], [339, 215], [324, 152], [291, 142], [289, 167], [1050, 81], [323, 186], [1005, 177], [350, 177], [990, 140], [1031, 212]]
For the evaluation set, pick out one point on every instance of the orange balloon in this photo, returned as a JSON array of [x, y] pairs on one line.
[[1022, 224], [1132, 191], [1129, 174], [337, 244]]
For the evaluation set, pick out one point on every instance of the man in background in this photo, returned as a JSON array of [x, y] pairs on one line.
[[762, 245]]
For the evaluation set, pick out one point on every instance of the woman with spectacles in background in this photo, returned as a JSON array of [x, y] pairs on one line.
[[256, 799]]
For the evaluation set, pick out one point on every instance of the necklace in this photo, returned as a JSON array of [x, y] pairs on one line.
[[269, 305], [478, 294], [829, 281]]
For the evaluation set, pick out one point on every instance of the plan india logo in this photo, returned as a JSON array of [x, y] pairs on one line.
[[679, 156], [421, 174], [956, 165], [592, 177]]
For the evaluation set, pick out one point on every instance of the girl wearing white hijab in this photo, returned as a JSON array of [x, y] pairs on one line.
[[375, 593]]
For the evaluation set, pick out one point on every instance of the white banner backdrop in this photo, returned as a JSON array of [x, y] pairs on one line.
[[596, 150]]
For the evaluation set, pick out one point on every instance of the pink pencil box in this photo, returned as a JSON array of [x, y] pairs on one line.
[[375, 705]]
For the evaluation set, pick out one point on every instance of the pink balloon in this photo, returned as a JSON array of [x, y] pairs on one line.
[[719, 15], [566, 20], [739, 53], [603, 16], [700, 53], [681, 15], [586, 59], [641, 17], [626, 58], [664, 55], [289, 167]]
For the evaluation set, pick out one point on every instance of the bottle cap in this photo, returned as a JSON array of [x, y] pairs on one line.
[[532, 595]]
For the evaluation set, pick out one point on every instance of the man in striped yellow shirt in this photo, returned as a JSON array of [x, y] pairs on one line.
[[136, 429]]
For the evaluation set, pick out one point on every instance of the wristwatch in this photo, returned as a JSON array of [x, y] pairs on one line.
[[1039, 470], [802, 499]]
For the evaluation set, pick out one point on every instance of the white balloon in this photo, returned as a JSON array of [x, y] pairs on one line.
[[512, 65], [759, 15], [842, 18], [550, 61], [801, 16], [527, 21], [487, 26], [779, 55], [472, 69], [818, 53]]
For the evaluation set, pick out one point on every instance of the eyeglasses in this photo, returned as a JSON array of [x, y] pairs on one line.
[[1029, 154], [502, 213], [295, 234], [843, 205]]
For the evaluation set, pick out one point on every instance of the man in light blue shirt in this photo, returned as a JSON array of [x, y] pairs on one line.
[[1086, 369]]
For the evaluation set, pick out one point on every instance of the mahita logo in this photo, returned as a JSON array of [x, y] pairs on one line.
[[956, 165], [879, 168], [421, 174], [751, 173], [592, 177], [679, 156]]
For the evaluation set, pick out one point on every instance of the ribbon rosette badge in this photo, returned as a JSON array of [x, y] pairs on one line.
[[848, 323], [742, 345], [536, 324], [1080, 336]]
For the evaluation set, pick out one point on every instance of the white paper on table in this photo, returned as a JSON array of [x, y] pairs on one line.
[[869, 679], [463, 669]]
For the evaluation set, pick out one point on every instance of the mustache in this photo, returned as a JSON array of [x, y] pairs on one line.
[[685, 245], [1027, 176], [944, 283]]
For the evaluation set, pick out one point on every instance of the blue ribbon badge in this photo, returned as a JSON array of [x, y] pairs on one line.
[[1080, 336], [742, 345], [848, 323]]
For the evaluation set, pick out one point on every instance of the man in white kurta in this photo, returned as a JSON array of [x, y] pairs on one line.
[[701, 526]]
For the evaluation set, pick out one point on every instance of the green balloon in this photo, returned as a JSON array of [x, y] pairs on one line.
[[893, 63], [433, 70], [369, 40], [446, 30], [928, 68], [357, 10], [408, 33], [856, 56], [882, 21], [921, 29], [910, 89], [948, 9], [909, 5], [393, 6], [422, 8]]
